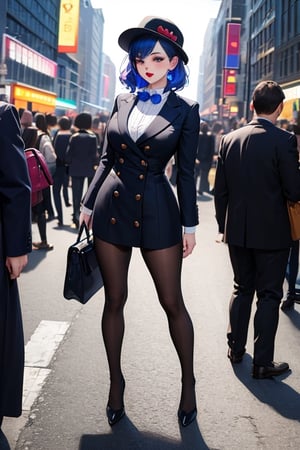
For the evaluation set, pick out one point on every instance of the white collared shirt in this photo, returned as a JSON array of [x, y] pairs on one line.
[[144, 113]]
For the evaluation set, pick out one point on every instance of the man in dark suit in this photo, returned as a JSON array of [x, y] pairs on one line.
[[15, 243], [257, 173], [204, 158]]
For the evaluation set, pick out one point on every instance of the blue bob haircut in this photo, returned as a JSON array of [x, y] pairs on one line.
[[141, 48]]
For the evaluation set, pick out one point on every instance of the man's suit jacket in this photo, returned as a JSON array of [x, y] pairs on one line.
[[257, 172], [134, 203], [81, 155]]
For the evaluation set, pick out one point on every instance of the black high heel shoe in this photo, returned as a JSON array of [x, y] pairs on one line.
[[186, 418], [114, 415]]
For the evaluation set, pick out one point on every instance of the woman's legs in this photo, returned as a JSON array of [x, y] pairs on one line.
[[114, 262], [58, 178], [40, 211], [77, 189], [48, 202], [204, 181], [66, 187], [293, 268], [165, 268]]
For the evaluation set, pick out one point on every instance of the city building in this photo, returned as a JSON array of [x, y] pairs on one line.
[[38, 74], [287, 56], [28, 44], [224, 77], [89, 55], [265, 45]]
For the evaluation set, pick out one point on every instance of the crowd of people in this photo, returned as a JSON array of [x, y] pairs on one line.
[[207, 157], [72, 149]]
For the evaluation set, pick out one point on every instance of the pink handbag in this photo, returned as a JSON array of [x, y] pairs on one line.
[[39, 174]]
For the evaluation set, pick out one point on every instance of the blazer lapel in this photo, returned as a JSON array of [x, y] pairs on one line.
[[165, 117], [125, 107]]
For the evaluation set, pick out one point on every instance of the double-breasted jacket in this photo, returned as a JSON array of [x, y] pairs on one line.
[[132, 200]]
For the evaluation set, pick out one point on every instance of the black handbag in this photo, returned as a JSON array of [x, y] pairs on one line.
[[83, 277]]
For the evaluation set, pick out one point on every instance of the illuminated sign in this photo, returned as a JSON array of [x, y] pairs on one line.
[[229, 82], [68, 26], [22, 54], [65, 104], [28, 94], [232, 51]]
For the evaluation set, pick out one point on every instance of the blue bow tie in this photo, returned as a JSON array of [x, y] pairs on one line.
[[144, 96]]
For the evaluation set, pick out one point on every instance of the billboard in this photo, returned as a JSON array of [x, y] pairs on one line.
[[232, 50], [229, 82], [68, 26], [22, 54]]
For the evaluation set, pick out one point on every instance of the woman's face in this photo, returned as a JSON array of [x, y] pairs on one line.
[[154, 67]]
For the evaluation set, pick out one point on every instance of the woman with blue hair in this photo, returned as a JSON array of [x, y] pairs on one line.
[[130, 202]]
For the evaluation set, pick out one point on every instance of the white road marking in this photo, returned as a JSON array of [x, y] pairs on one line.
[[34, 379], [39, 352], [44, 342]]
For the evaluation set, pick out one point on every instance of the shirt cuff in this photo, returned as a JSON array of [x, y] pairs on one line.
[[189, 230], [86, 210]]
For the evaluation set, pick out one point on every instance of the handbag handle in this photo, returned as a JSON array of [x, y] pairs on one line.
[[83, 227]]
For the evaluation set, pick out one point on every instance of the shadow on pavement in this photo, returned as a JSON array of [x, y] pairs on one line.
[[273, 392], [65, 227], [294, 317], [125, 436], [204, 198], [34, 259]]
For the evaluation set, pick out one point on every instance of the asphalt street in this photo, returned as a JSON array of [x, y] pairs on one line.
[[67, 412]]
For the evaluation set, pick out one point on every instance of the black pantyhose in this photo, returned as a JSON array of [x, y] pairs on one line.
[[165, 268]]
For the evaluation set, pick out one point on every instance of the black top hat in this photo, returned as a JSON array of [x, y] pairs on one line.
[[158, 28]]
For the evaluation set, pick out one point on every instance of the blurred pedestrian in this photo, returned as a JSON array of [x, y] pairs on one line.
[[44, 145], [15, 244], [134, 205], [61, 175], [52, 124], [257, 172], [30, 137], [82, 159], [96, 129], [217, 130], [204, 158], [293, 262], [292, 271], [26, 119]]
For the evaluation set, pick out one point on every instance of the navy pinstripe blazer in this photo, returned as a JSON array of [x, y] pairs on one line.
[[133, 201]]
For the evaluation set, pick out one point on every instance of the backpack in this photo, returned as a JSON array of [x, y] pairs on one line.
[[39, 174]]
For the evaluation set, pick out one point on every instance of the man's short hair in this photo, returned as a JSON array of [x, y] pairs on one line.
[[83, 121], [267, 96]]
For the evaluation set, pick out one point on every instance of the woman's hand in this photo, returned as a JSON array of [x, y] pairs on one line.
[[220, 238], [189, 242], [87, 218], [15, 265]]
